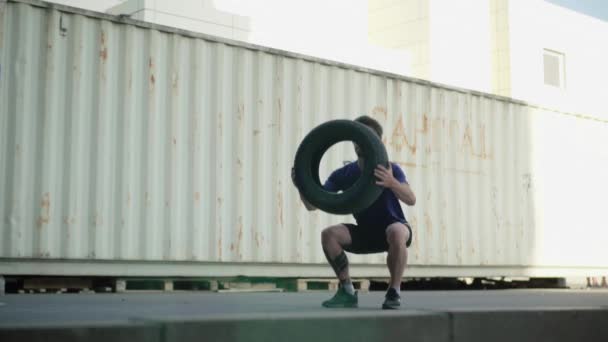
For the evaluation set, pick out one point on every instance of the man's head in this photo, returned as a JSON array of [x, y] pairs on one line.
[[373, 125]]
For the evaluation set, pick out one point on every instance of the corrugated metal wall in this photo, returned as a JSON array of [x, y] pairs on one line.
[[120, 142]]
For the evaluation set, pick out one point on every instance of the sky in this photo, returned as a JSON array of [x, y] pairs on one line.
[[594, 8]]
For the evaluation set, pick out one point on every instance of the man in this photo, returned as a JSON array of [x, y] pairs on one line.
[[380, 228]]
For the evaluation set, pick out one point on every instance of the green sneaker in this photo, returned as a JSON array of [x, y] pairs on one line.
[[392, 300], [342, 299]]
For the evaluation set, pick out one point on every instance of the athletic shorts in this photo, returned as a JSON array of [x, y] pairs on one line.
[[370, 239]]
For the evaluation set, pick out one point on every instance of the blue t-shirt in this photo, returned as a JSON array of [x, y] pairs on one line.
[[384, 211]]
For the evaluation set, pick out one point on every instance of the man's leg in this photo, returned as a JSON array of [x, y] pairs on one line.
[[334, 239], [397, 235]]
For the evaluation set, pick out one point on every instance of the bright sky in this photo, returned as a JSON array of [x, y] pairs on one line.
[[594, 8]]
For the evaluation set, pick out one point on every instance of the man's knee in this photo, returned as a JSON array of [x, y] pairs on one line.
[[397, 234], [328, 234], [335, 234]]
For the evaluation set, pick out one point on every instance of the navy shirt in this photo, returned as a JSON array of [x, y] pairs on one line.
[[384, 211]]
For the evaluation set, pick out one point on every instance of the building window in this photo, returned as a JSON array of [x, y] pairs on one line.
[[553, 62]]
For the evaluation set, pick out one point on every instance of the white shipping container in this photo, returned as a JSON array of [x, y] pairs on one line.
[[132, 149]]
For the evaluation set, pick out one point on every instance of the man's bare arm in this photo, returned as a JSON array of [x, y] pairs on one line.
[[403, 191]]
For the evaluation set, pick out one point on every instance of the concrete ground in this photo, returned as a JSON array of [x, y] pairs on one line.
[[527, 315]]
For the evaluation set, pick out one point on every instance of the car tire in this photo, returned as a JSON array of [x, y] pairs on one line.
[[308, 158]]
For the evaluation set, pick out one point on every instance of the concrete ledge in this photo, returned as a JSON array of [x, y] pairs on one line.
[[496, 325], [374, 326], [124, 332], [555, 325]]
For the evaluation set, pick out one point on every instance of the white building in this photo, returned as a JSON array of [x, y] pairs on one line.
[[526, 49]]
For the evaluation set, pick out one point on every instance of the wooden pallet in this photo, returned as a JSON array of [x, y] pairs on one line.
[[164, 285], [597, 282], [215, 285], [246, 286], [304, 284], [55, 285]]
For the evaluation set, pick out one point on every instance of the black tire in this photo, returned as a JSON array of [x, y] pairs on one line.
[[308, 157]]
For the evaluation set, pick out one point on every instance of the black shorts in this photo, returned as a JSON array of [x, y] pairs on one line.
[[370, 239]]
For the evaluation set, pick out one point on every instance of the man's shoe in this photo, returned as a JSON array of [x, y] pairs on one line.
[[392, 300], [342, 299]]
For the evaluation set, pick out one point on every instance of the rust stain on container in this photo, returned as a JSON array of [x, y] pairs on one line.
[[69, 220], [219, 225], [197, 197], [280, 211], [527, 181], [241, 111], [151, 69], [175, 82], [380, 112], [410, 164], [399, 139], [45, 210], [219, 248], [103, 53], [428, 223], [425, 124], [257, 239], [467, 139]]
